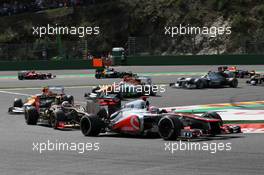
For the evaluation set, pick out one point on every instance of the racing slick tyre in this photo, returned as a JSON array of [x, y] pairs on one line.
[[234, 83], [69, 98], [200, 84], [91, 125], [172, 84], [97, 76], [31, 116], [169, 128], [20, 77], [59, 116], [102, 113], [42, 77], [49, 75], [213, 115], [18, 103]]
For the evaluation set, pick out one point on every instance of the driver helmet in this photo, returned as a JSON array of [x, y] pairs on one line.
[[45, 90], [154, 110], [66, 104]]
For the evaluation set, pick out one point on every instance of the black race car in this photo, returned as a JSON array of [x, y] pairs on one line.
[[235, 72], [68, 115], [110, 73], [210, 80], [32, 75], [48, 110], [49, 95], [255, 80]]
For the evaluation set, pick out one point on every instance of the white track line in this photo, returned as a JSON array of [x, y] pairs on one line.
[[66, 87], [36, 88], [14, 93]]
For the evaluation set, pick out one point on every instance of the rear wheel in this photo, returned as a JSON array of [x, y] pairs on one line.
[[234, 83], [91, 125], [213, 115], [200, 85], [31, 116], [102, 114], [169, 128], [97, 76], [42, 77]]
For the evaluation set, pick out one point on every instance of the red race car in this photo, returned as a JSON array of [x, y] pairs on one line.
[[137, 118], [32, 75]]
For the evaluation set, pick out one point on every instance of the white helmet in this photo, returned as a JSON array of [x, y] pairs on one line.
[[66, 104], [154, 110]]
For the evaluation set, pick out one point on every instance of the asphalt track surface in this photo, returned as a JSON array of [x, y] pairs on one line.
[[124, 155]]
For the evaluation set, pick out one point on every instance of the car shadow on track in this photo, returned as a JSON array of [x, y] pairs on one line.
[[216, 138], [127, 136], [156, 136], [74, 128]]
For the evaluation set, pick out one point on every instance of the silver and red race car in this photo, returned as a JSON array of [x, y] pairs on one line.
[[32, 75], [137, 118]]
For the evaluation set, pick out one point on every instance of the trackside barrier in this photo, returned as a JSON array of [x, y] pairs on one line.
[[196, 60], [138, 61], [46, 65]]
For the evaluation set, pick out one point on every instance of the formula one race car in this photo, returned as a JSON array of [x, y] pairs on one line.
[[110, 102], [32, 75], [49, 95], [129, 87], [137, 118], [257, 79], [47, 113], [210, 80], [110, 73], [234, 72], [66, 114]]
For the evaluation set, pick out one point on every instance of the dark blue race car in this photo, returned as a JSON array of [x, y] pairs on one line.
[[210, 80]]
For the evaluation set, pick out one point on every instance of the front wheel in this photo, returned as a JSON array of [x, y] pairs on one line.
[[169, 128], [31, 116], [58, 117], [20, 77], [91, 125]]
